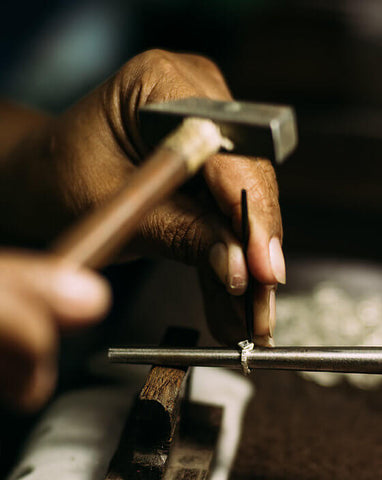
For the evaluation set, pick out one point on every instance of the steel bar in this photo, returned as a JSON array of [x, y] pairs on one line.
[[320, 359]]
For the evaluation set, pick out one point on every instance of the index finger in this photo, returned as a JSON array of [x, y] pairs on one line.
[[226, 176]]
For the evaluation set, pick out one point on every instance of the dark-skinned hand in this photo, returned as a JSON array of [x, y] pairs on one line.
[[40, 297], [74, 162]]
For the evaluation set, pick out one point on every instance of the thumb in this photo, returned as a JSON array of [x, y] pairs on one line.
[[227, 176], [73, 295]]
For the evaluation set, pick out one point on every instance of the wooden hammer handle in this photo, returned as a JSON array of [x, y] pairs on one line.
[[97, 238]]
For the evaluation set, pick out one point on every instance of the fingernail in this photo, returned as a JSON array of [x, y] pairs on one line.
[[218, 259], [237, 282], [277, 260], [264, 341], [237, 273], [272, 311]]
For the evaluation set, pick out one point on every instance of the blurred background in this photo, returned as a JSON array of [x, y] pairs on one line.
[[322, 56]]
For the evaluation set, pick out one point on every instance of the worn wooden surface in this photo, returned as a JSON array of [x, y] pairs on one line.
[[193, 451], [145, 443]]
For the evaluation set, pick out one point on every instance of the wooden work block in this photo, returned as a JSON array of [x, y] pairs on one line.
[[150, 429], [193, 450]]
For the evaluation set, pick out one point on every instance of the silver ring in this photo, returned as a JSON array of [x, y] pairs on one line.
[[245, 347]]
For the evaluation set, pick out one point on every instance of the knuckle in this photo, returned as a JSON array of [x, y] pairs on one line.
[[262, 192], [265, 200], [179, 232], [264, 189], [206, 63], [157, 59], [157, 77], [188, 242], [41, 342], [269, 175], [154, 54], [142, 66]]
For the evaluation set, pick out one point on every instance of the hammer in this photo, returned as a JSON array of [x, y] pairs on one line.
[[205, 127]]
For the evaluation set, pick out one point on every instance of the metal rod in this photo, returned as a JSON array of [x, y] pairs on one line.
[[320, 359]]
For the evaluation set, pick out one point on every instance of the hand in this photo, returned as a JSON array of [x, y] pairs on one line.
[[92, 149], [39, 296]]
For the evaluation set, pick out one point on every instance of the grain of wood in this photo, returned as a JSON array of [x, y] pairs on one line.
[[149, 432]]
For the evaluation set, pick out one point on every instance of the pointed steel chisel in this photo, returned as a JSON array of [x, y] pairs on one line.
[[248, 297]]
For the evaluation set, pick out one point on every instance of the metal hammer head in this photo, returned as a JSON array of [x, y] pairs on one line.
[[256, 129]]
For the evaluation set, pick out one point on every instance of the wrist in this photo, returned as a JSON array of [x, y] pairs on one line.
[[30, 190]]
